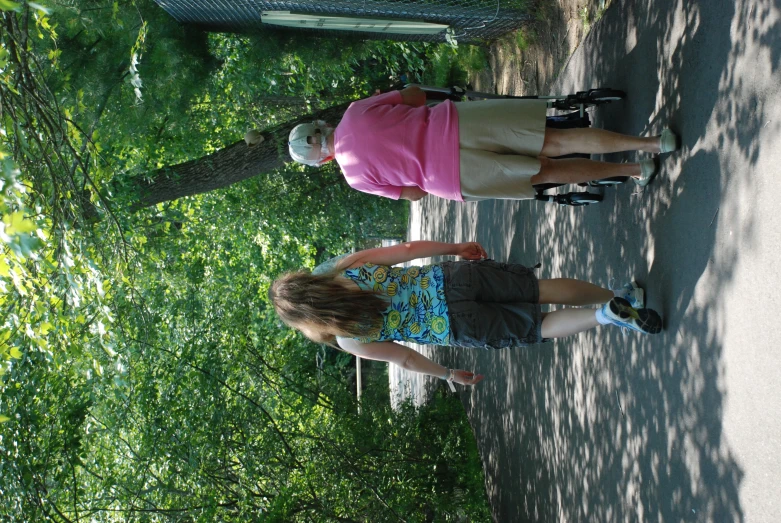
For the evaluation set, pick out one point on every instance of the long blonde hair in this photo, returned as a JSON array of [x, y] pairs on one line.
[[322, 308]]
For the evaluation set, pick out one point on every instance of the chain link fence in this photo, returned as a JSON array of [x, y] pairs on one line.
[[468, 20]]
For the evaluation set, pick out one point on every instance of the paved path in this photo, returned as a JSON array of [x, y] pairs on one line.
[[685, 426]]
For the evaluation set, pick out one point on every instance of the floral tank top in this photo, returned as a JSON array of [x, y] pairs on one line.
[[418, 310]]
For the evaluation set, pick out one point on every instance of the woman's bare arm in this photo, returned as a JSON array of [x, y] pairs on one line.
[[408, 251], [413, 96], [405, 358], [412, 193]]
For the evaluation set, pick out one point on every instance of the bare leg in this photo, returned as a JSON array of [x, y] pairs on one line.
[[559, 142], [576, 170], [566, 322], [566, 291]]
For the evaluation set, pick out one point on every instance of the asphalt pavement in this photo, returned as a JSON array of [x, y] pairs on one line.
[[686, 425]]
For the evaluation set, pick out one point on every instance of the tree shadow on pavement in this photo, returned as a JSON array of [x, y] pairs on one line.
[[610, 426]]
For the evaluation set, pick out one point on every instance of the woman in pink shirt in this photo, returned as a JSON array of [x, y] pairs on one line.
[[394, 145]]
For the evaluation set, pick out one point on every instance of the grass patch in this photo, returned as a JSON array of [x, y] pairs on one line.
[[525, 37], [603, 5], [543, 11], [585, 18]]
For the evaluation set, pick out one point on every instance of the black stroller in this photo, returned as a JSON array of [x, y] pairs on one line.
[[575, 115]]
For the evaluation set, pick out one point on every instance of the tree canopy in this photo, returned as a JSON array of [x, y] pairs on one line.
[[144, 376]]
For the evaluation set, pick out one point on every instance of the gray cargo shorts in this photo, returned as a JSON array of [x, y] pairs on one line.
[[492, 305]]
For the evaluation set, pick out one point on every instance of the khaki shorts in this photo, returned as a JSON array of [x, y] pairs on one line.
[[500, 141]]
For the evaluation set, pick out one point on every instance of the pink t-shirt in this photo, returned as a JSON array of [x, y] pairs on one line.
[[383, 145]]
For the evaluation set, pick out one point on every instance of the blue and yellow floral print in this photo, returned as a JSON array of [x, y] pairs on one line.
[[418, 309]]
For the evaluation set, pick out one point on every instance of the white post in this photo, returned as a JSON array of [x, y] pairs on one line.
[[358, 380]]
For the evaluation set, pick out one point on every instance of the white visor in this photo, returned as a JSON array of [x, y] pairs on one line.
[[308, 142]]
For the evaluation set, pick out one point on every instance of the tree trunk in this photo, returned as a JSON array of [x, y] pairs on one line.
[[227, 166]]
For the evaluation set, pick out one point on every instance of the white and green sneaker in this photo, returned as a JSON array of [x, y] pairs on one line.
[[669, 141], [622, 314], [648, 169], [632, 293]]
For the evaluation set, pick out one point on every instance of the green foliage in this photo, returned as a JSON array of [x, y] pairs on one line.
[[452, 66], [543, 11], [520, 5], [422, 478], [143, 376], [524, 37], [603, 5]]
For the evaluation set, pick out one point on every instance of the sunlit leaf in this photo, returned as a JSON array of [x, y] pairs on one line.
[[40, 7], [8, 5], [16, 223]]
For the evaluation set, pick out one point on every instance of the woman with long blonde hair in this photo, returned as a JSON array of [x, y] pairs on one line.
[[365, 303]]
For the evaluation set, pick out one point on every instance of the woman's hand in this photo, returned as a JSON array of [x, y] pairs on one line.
[[464, 377], [471, 251]]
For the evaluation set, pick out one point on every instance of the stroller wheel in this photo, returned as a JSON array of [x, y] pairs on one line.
[[602, 96], [578, 199]]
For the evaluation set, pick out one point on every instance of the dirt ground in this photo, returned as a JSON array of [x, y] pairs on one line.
[[527, 62]]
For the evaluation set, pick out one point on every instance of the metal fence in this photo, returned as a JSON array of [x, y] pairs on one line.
[[469, 20]]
